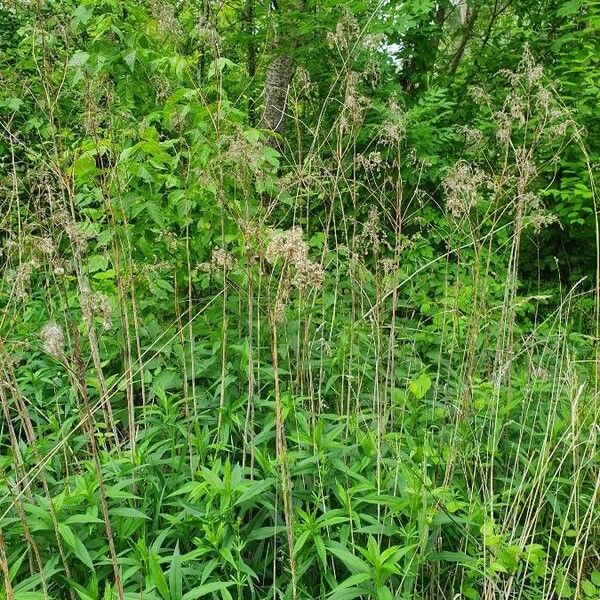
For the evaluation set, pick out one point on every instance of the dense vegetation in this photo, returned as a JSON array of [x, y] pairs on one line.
[[299, 299]]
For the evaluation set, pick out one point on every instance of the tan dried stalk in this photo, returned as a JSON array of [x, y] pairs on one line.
[[8, 589], [77, 376]]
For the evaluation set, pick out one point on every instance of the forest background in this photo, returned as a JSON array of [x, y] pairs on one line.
[[299, 299]]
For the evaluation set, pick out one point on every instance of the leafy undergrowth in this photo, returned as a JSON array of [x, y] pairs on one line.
[[231, 369]]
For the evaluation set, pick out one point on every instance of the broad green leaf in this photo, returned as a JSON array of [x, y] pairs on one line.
[[420, 386], [129, 59], [85, 519], [82, 14], [255, 488], [207, 588], [352, 562], [158, 577], [350, 588], [79, 59], [75, 544], [126, 511]]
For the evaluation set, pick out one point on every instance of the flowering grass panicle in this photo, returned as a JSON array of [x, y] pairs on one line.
[[462, 186]]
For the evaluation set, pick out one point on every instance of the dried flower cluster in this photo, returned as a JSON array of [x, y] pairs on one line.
[[22, 277], [462, 188], [374, 42], [220, 261], [302, 83], [46, 246], [165, 17], [346, 32], [371, 236], [298, 270], [473, 137], [100, 305], [539, 217], [393, 130], [53, 339], [207, 33], [286, 245], [97, 305], [525, 166], [354, 103], [370, 162], [78, 237], [242, 150], [289, 247]]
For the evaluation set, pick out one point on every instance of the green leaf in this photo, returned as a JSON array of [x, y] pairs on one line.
[[84, 167], [301, 540], [175, 575], [256, 488], [420, 386], [129, 59], [83, 519], [78, 59], [16, 565], [158, 577], [320, 546], [348, 588], [13, 103], [207, 588], [76, 545], [217, 66], [383, 593], [457, 557], [589, 588], [126, 511], [97, 262], [83, 593], [350, 561], [569, 8], [82, 14]]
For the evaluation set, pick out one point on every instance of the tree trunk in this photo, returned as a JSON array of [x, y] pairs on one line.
[[468, 26], [250, 59], [279, 78]]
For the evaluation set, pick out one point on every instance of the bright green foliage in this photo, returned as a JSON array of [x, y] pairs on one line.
[[355, 359]]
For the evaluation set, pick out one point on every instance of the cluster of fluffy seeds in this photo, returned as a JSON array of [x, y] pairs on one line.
[[245, 151], [393, 130], [302, 82], [462, 188], [287, 246], [207, 33], [346, 32], [46, 246], [78, 237], [96, 305], [220, 261], [354, 103], [370, 162], [371, 235], [53, 339], [100, 306], [293, 250], [164, 14], [299, 270], [23, 275]]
